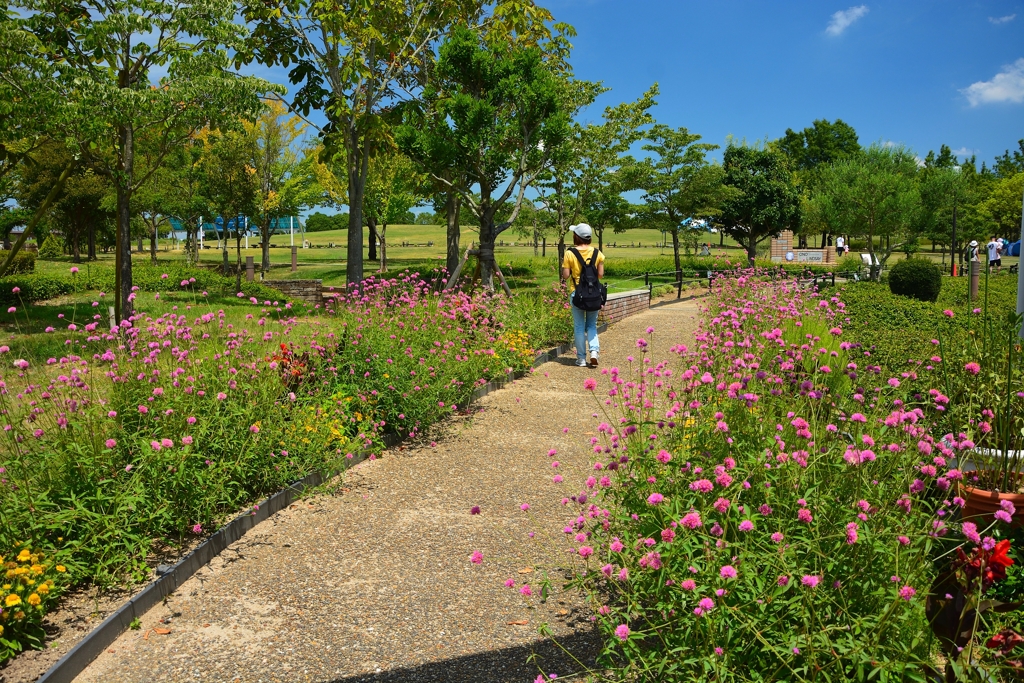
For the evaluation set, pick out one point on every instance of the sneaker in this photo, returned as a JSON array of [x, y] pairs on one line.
[[593, 360], [581, 363]]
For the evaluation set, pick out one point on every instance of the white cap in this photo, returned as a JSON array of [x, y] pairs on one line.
[[582, 230], [974, 243]]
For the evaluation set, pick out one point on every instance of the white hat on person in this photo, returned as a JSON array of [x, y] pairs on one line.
[[582, 230], [974, 243]]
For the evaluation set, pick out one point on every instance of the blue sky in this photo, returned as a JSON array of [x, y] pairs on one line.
[[923, 73]]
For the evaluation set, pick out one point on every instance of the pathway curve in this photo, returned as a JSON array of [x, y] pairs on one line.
[[375, 584]]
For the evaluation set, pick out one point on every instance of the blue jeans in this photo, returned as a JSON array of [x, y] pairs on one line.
[[584, 324]]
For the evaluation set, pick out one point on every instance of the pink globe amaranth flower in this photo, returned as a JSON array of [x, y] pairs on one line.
[[972, 368], [746, 525], [590, 384], [810, 580], [688, 585], [948, 313], [664, 456], [166, 443], [221, 396], [475, 510], [655, 499], [777, 537], [691, 520], [197, 529], [804, 515], [12, 309], [706, 604], [622, 632], [526, 590], [616, 546], [477, 557], [702, 485], [16, 290], [585, 551], [111, 443], [255, 429], [186, 440], [727, 572], [783, 580], [524, 507], [155, 445], [190, 420], [907, 592], [667, 535], [903, 540], [604, 610], [1003, 516], [128, 468], [510, 583], [721, 505], [1008, 507]]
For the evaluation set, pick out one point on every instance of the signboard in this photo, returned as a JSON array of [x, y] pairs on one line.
[[814, 256]]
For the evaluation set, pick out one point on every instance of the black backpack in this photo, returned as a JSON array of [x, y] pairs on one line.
[[590, 294]]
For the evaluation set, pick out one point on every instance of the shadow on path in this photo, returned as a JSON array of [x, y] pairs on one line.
[[509, 665]]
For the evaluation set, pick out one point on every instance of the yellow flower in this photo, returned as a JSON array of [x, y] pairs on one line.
[[34, 600], [43, 588], [24, 556], [13, 600], [61, 568], [5, 587], [1, 630], [37, 569]]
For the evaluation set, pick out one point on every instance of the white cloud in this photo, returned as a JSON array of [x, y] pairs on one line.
[[1002, 20], [964, 152], [1005, 86], [843, 19]]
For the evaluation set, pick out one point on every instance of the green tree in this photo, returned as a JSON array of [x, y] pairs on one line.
[[271, 137], [679, 182], [491, 119], [233, 187], [874, 195], [824, 142], [765, 200], [187, 190], [354, 60], [1010, 163], [1003, 205], [950, 193], [393, 187], [101, 60]]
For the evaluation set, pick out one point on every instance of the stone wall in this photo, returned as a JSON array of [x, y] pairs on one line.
[[624, 304], [309, 291]]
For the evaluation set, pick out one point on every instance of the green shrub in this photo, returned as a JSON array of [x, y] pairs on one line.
[[51, 248], [917, 278], [32, 287], [24, 262], [850, 263]]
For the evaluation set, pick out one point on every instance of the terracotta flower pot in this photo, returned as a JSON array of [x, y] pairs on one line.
[[982, 505]]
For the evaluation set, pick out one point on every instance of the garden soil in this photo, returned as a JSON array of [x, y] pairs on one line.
[[375, 583]]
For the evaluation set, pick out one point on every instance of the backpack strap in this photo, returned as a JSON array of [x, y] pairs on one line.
[[593, 258], [579, 257]]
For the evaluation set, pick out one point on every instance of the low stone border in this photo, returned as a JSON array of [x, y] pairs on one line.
[[170, 577]]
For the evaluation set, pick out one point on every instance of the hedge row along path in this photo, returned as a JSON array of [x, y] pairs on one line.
[[375, 584]]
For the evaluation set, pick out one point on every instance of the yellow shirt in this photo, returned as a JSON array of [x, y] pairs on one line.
[[572, 263]]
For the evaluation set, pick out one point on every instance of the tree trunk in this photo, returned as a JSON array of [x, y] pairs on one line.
[[238, 258], [152, 242], [721, 238], [76, 239], [675, 254], [224, 252], [751, 251], [600, 239], [452, 205], [91, 240], [824, 239], [123, 289], [371, 226], [383, 248], [487, 264], [561, 252], [265, 234], [358, 165]]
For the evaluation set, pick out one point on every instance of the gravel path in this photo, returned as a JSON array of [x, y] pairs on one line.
[[375, 584]]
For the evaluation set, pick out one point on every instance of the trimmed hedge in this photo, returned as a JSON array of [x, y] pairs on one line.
[[24, 262], [916, 278], [33, 287]]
